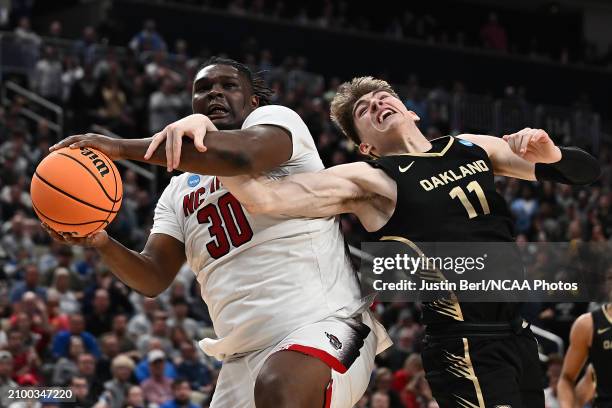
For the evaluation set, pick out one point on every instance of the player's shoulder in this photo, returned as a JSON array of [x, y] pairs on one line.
[[186, 181], [273, 111], [582, 329]]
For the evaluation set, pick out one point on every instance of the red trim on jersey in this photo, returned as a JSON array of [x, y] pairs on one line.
[[328, 394], [324, 356]]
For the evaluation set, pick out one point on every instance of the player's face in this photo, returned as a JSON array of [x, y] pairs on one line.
[[223, 94], [379, 118]]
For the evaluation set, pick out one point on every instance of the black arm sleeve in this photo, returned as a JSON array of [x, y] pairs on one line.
[[576, 167]]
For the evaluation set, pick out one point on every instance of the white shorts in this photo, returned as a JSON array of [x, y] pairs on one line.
[[347, 346]]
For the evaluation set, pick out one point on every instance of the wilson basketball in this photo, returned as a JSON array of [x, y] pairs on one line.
[[77, 191]]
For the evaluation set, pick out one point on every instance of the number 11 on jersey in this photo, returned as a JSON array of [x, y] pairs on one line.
[[457, 192]]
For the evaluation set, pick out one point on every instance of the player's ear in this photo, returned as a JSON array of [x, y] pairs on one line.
[[255, 101], [413, 116], [365, 148]]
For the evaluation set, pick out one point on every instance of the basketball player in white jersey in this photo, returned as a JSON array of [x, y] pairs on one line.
[[284, 300]]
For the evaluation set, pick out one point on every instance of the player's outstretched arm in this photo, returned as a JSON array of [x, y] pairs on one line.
[[356, 188], [228, 153], [149, 272], [530, 154], [577, 353]]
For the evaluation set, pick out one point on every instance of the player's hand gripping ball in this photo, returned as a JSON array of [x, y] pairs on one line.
[[76, 191]]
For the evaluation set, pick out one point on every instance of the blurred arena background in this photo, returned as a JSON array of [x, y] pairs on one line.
[[125, 69]]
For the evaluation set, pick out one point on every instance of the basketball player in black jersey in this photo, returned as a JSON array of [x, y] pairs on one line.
[[590, 338], [440, 190]]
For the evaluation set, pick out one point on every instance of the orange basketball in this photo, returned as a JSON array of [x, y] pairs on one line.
[[77, 191]]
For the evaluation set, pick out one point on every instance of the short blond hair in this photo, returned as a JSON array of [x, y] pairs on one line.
[[347, 96], [122, 360]]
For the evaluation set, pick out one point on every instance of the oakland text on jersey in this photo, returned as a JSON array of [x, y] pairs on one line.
[[449, 176]]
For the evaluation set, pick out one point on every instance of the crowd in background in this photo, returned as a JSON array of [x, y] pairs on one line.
[[498, 31], [66, 321]]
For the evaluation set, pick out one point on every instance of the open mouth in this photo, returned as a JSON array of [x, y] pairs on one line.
[[217, 111], [384, 114]]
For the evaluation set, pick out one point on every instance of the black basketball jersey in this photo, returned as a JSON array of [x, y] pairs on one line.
[[448, 194], [600, 355]]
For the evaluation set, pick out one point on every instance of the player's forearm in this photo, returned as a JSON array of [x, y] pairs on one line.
[[565, 393], [228, 157], [136, 270], [300, 195], [257, 196], [576, 167]]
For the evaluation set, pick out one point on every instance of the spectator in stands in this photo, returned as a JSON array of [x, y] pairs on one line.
[[110, 349], [141, 322], [24, 33], [99, 320], [69, 303], [165, 106], [26, 361], [493, 34], [73, 72], [59, 321], [116, 389], [142, 371], [135, 398], [417, 393], [403, 348], [84, 99], [77, 328], [32, 322], [553, 372], [55, 30], [6, 381], [87, 266], [47, 79], [81, 391], [159, 331], [178, 336], [380, 400], [181, 391], [382, 384], [524, 208], [193, 369], [66, 367], [86, 367], [180, 309], [158, 387], [86, 47], [31, 280], [148, 39], [402, 377], [119, 329]]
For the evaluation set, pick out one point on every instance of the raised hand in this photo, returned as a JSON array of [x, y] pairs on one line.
[[533, 145], [193, 126], [107, 145]]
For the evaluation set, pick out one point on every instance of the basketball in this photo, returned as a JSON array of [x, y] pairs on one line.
[[76, 191]]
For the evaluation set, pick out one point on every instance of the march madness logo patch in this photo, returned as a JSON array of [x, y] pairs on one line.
[[334, 341], [193, 180]]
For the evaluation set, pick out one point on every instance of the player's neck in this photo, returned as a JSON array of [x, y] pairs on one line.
[[414, 142]]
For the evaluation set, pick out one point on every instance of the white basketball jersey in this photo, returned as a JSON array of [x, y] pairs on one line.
[[261, 276]]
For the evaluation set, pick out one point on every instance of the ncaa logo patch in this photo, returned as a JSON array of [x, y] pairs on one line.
[[334, 341], [193, 180], [468, 143]]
